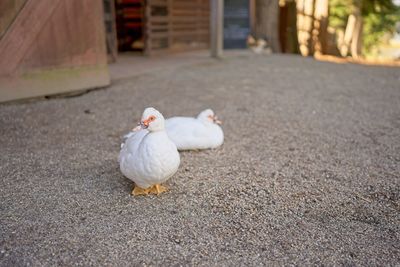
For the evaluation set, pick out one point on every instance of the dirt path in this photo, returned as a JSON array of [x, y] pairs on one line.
[[309, 172]]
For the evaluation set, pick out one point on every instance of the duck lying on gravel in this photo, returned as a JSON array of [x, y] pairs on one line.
[[190, 133], [148, 157]]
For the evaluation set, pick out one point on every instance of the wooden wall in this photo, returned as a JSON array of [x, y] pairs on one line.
[[177, 25], [8, 11], [53, 46]]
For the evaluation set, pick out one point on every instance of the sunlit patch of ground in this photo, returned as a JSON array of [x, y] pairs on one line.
[[367, 61]]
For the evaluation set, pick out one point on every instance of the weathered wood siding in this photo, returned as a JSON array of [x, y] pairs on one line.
[[8, 11], [53, 46]]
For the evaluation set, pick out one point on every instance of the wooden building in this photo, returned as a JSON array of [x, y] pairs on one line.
[[159, 26], [177, 25], [57, 46], [51, 46]]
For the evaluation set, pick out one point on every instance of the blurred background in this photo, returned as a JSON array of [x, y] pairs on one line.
[[55, 46], [356, 28]]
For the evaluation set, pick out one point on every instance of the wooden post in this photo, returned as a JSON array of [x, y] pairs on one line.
[[111, 30], [217, 27], [320, 27], [147, 28], [252, 11]]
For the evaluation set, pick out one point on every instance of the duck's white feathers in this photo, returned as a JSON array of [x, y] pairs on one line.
[[191, 133], [149, 158]]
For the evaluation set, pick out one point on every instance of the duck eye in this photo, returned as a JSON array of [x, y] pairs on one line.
[[152, 118]]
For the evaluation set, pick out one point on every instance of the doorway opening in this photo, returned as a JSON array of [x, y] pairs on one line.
[[129, 16], [156, 26]]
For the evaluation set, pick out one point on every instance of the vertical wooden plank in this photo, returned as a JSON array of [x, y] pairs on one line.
[[252, 9], [217, 27], [147, 30], [169, 27], [111, 30], [199, 18]]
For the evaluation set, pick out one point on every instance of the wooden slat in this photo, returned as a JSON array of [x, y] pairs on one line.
[[158, 27], [184, 28], [157, 35], [188, 19], [184, 12], [19, 38], [158, 19], [186, 25], [158, 3], [191, 34], [188, 5]]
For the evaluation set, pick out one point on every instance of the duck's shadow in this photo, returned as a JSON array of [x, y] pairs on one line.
[[186, 151], [108, 178], [110, 181]]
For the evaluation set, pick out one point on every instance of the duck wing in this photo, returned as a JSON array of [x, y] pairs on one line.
[[187, 133], [131, 142]]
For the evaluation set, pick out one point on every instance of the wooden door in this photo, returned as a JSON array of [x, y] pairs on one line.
[[52, 46]]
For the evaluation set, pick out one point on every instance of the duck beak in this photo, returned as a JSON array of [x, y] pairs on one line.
[[145, 124], [216, 120], [141, 125]]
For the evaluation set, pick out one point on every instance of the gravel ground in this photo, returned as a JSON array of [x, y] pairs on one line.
[[308, 174]]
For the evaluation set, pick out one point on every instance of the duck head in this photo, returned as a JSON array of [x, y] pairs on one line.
[[152, 120], [208, 116]]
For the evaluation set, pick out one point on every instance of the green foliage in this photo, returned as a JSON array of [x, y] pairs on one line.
[[379, 17], [339, 10]]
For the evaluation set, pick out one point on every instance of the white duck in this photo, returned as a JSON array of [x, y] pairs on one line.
[[148, 156], [201, 132]]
